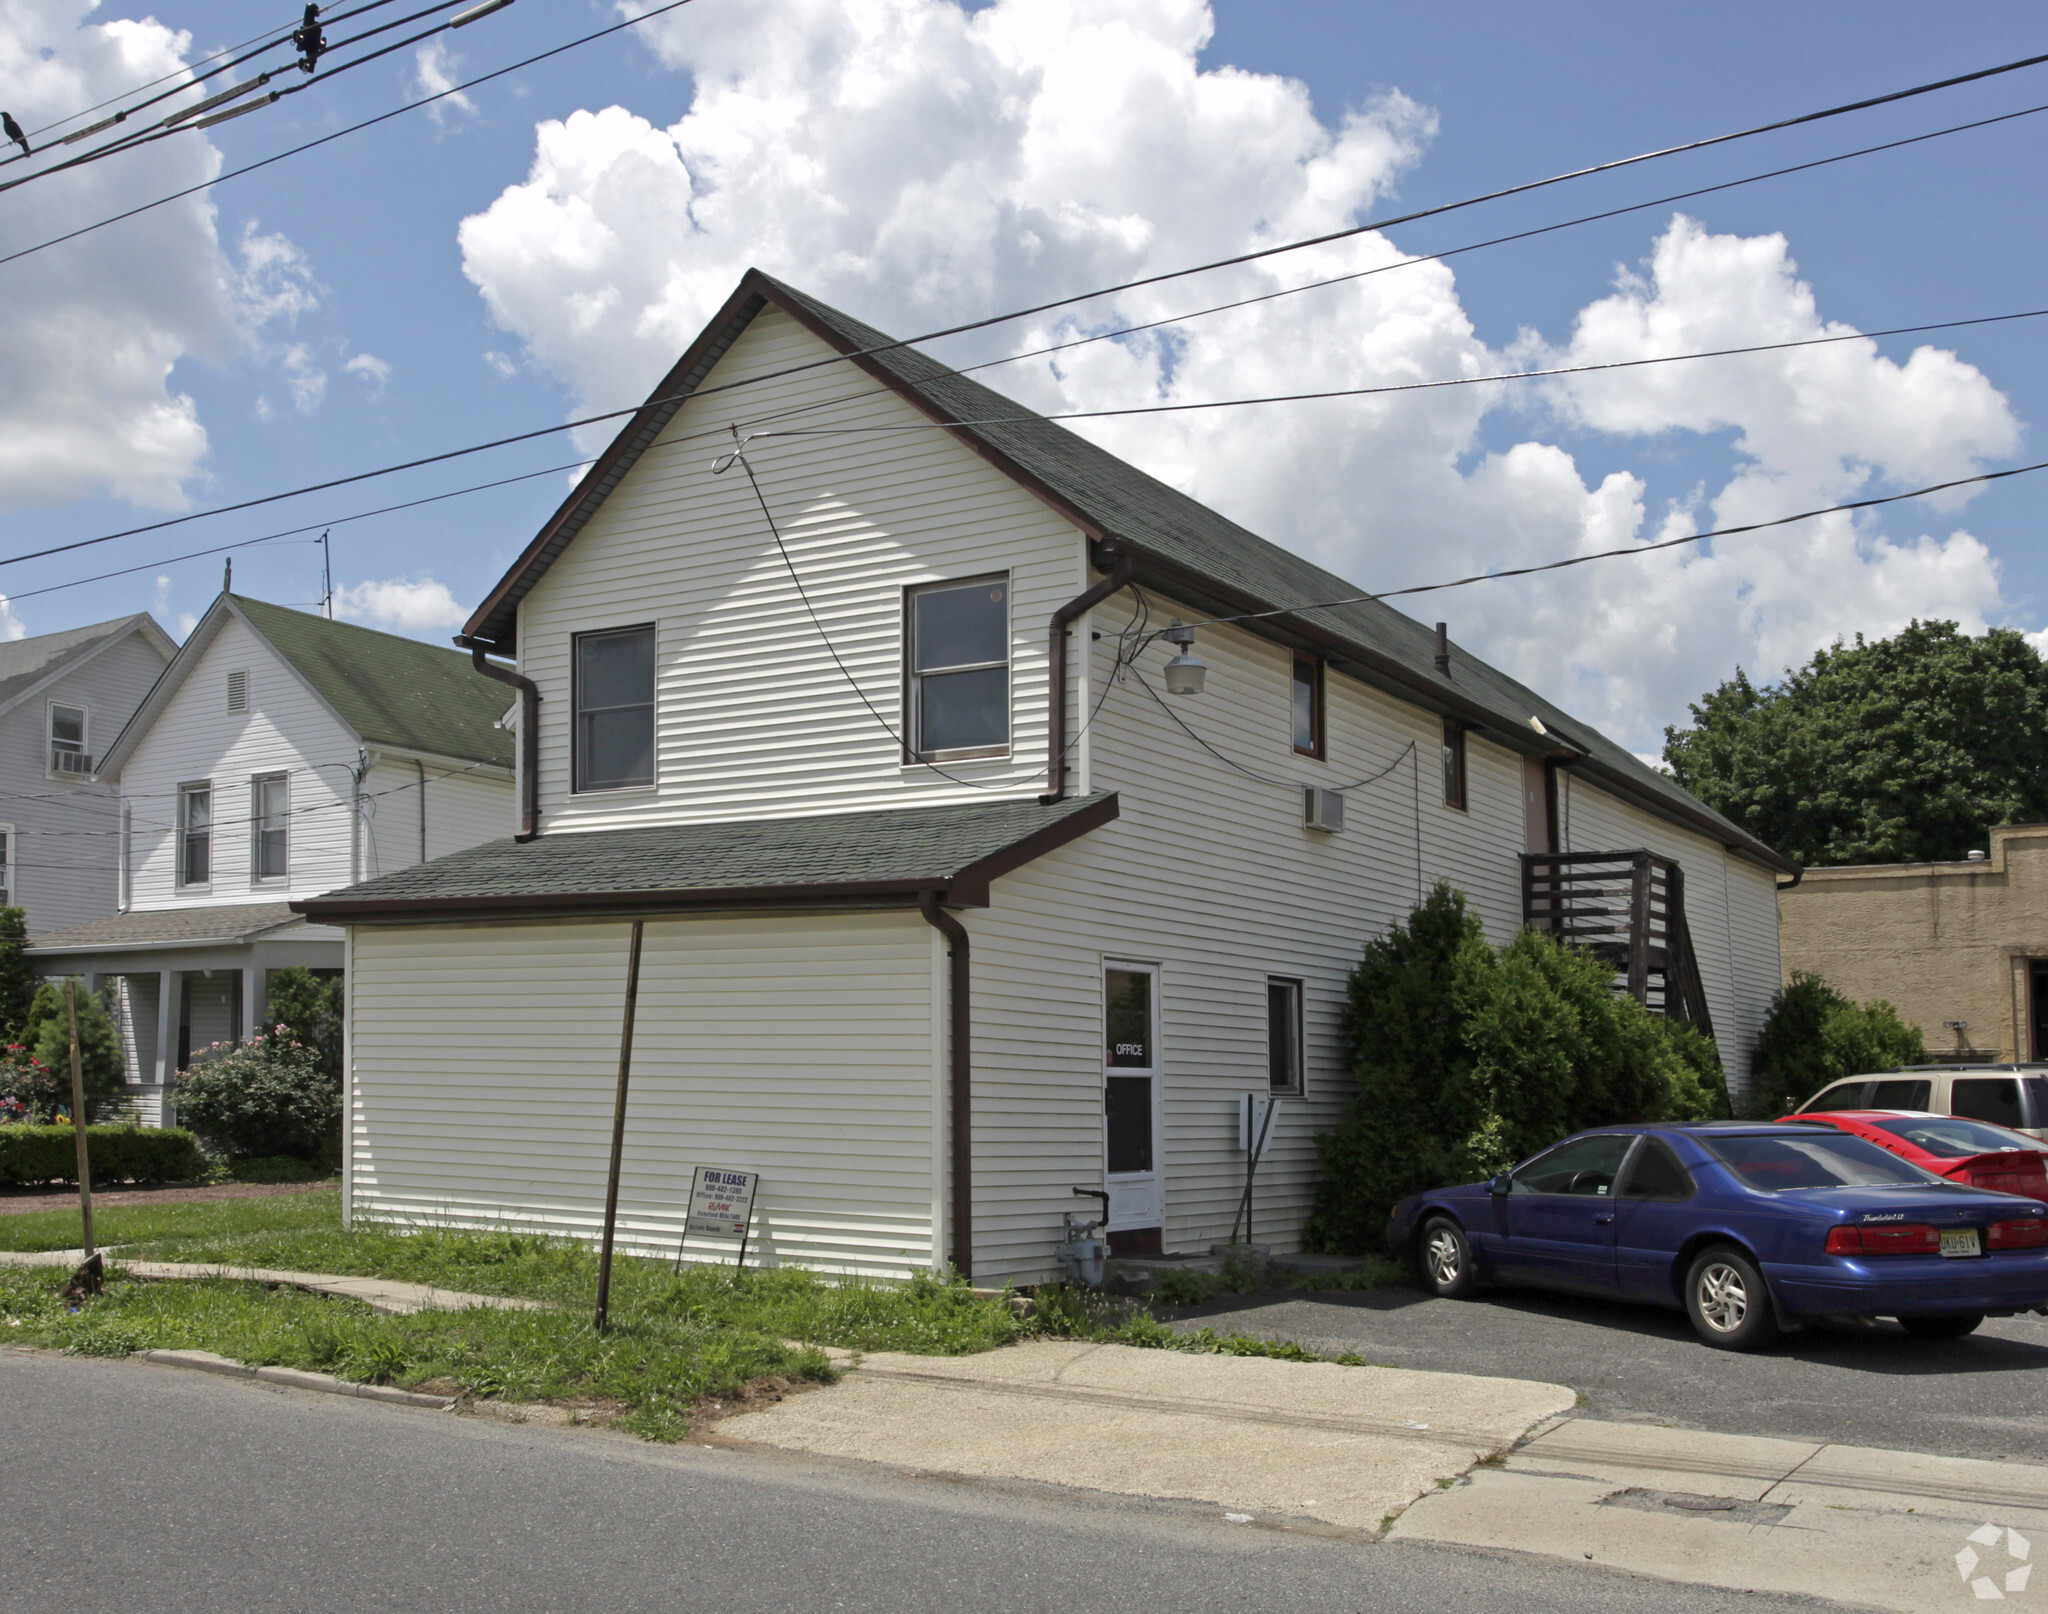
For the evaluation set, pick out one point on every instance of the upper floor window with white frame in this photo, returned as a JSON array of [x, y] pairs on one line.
[[269, 826], [68, 753], [195, 834], [959, 668], [614, 678]]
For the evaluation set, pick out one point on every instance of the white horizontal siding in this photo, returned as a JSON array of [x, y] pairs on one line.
[[483, 1062], [754, 716], [287, 729], [1731, 907], [454, 809]]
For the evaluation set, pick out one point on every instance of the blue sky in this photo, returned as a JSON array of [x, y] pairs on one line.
[[352, 256]]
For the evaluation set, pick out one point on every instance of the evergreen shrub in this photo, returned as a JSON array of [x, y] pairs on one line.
[[35, 1070], [1813, 1035], [39, 1154], [1469, 1058]]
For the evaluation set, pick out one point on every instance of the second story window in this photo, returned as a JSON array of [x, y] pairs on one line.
[[615, 709], [1308, 706], [67, 739], [960, 668], [1454, 766], [269, 836], [6, 865], [195, 835]]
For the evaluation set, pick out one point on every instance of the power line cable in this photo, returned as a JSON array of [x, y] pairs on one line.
[[382, 117]]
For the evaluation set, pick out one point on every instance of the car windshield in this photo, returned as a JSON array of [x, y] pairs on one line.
[[1773, 1164], [1951, 1136]]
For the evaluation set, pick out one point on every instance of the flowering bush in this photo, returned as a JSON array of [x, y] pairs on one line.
[[267, 1097], [31, 1091]]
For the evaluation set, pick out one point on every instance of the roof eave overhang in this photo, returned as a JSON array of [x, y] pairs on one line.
[[166, 945], [967, 887]]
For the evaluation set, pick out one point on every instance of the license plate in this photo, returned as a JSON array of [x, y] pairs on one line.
[[1962, 1241]]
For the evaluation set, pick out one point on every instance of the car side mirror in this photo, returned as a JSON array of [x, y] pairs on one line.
[[1497, 1186]]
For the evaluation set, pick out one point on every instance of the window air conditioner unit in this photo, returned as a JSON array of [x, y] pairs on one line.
[[1322, 809]]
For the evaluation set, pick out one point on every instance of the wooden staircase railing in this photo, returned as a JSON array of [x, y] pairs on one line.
[[1628, 908]]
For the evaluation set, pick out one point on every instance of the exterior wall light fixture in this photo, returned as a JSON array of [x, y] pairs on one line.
[[1187, 672]]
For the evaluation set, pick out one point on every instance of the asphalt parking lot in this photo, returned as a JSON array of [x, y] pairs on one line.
[[1983, 1396]]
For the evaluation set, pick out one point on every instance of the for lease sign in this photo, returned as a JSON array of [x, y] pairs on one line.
[[721, 1202]]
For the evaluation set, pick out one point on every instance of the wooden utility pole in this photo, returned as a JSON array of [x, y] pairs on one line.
[[611, 1192], [78, 1116]]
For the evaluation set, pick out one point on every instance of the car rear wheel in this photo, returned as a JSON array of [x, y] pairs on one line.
[[1727, 1301], [1941, 1327], [1447, 1265]]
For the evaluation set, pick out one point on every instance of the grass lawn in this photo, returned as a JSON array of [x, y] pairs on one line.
[[164, 1226]]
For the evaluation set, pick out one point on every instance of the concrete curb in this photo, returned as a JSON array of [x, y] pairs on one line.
[[387, 1295], [293, 1378]]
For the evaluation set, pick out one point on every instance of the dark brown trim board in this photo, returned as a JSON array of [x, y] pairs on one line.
[[960, 1075]]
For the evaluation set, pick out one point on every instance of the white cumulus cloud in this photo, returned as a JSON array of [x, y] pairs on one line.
[[916, 163], [405, 605]]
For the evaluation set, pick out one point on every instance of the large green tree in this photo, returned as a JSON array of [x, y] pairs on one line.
[[1900, 750]]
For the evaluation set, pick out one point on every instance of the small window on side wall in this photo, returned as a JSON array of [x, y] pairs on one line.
[[1454, 766], [615, 709], [195, 834], [269, 831], [1283, 1035], [1308, 706], [7, 892], [960, 669]]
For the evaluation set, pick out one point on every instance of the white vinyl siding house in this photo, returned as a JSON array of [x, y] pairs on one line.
[[276, 757], [797, 1005]]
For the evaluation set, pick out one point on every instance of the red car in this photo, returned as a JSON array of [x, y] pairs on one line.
[[1975, 1153]]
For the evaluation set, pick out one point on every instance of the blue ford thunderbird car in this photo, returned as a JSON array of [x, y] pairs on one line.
[[1749, 1228]]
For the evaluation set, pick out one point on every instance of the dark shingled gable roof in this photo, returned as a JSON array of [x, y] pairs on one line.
[[1179, 545], [391, 690], [869, 856], [168, 927], [26, 662]]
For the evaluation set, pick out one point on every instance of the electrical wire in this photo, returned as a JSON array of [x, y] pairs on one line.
[[382, 117]]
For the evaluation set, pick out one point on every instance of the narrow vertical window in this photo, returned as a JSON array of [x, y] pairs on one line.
[[1283, 1035], [195, 835], [67, 740], [615, 709], [1308, 706], [6, 865], [269, 821], [960, 668], [1454, 766]]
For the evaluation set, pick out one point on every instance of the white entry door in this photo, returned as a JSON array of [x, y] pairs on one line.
[[1130, 1095]]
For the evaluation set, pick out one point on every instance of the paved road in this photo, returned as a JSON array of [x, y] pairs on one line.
[[131, 1487], [1984, 1396]]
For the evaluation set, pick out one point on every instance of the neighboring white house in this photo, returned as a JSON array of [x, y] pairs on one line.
[[280, 754], [924, 986], [63, 698]]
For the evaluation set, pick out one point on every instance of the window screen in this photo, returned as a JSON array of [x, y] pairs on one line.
[[1283, 1035], [1308, 706], [960, 667], [268, 831], [615, 709], [195, 835], [1454, 766], [1987, 1098]]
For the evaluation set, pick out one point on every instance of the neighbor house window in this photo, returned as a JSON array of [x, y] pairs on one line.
[[195, 835], [1283, 1034], [615, 709], [269, 848], [67, 740], [1308, 706], [6, 865], [1454, 766], [960, 668]]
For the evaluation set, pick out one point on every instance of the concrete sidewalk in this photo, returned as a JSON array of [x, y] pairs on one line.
[[1895, 1530], [1299, 1440], [392, 1298]]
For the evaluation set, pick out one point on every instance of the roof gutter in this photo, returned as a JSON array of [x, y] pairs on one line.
[[960, 1075], [1120, 568], [529, 734]]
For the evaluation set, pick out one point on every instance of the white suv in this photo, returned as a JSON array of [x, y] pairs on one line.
[[2013, 1096]]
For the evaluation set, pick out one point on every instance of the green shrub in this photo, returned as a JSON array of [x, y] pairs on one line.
[[39, 1154], [1814, 1035], [277, 1168], [267, 1097], [306, 1008], [36, 1070], [17, 975], [1470, 1058]]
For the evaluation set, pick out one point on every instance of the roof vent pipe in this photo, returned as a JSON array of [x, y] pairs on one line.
[[529, 734], [1443, 648]]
